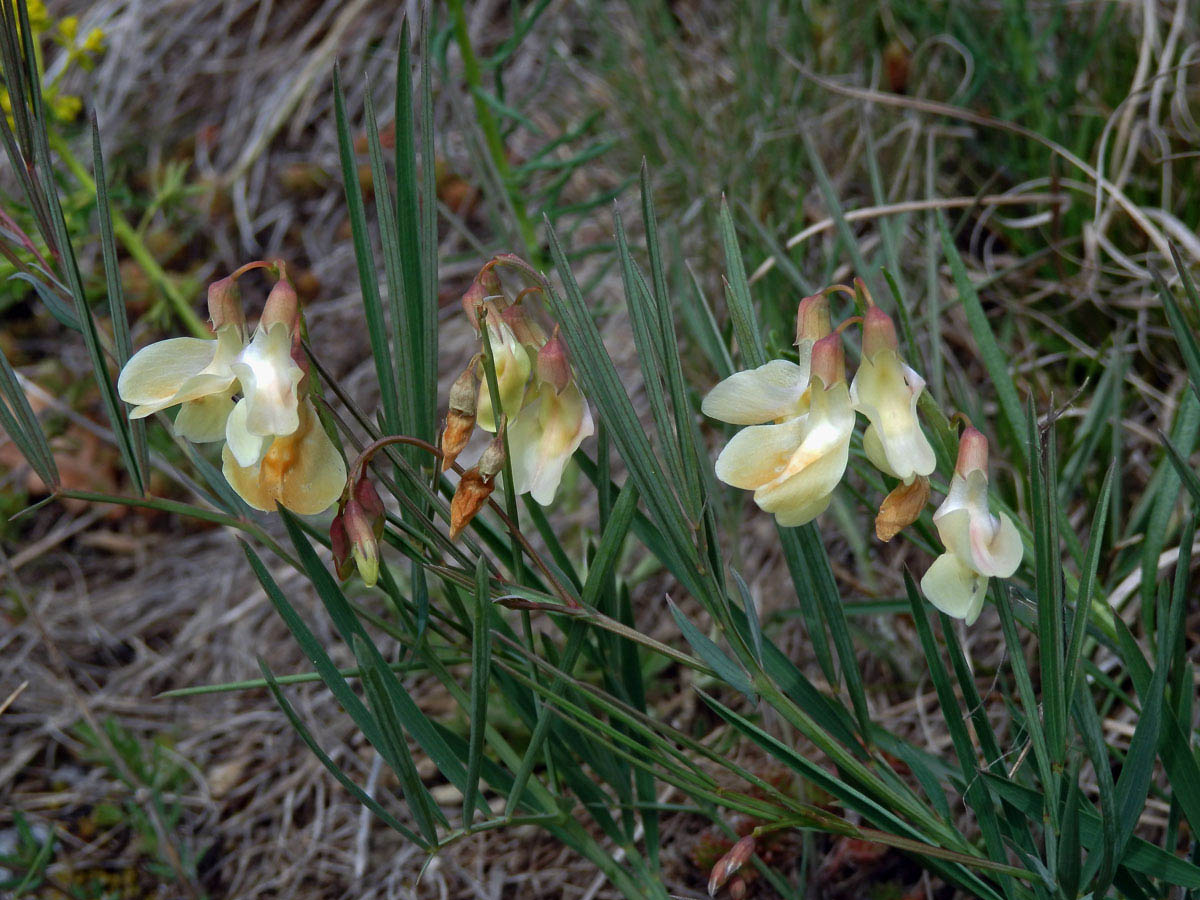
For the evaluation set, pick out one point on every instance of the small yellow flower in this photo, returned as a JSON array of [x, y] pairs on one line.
[[66, 107], [978, 544]]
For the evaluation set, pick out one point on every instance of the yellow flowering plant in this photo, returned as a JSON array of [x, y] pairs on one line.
[[506, 666]]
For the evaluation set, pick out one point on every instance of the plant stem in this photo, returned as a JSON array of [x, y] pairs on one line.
[[491, 129], [136, 247]]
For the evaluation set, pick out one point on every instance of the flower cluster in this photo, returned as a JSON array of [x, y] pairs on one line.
[[793, 463], [82, 50], [801, 418], [252, 392], [537, 394]]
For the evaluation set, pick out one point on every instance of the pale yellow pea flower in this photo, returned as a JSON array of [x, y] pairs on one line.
[[549, 429], [192, 373], [793, 465], [513, 367], [978, 544], [885, 390]]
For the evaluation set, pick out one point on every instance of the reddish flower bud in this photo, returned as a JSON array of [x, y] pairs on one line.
[[972, 451], [225, 304], [528, 332], [552, 365], [829, 360], [812, 318], [282, 304], [728, 864], [339, 542], [879, 332]]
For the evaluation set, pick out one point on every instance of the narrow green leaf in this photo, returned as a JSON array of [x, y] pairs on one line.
[[992, 357], [727, 670], [343, 779], [394, 748], [1087, 585], [975, 793], [481, 662], [413, 720], [138, 464], [1140, 856], [1187, 475], [20, 423], [365, 258]]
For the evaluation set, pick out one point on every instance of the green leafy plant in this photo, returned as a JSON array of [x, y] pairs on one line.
[[526, 625]]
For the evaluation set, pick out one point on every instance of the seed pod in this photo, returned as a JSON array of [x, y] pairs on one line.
[[472, 492], [901, 508], [460, 418]]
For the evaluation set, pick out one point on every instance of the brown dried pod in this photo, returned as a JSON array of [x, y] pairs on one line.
[[901, 508]]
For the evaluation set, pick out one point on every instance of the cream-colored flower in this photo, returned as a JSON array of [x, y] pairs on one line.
[[544, 436], [885, 390], [793, 465], [512, 373], [191, 372], [302, 471], [269, 408], [777, 390], [978, 544]]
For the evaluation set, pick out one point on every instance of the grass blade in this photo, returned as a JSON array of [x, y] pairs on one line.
[[481, 662], [368, 281]]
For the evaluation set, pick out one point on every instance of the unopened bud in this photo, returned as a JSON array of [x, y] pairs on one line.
[[972, 451], [469, 497], [552, 365], [728, 864], [225, 304], [901, 508], [829, 360], [364, 545], [812, 318], [491, 461], [879, 332], [282, 303], [339, 543], [460, 418], [525, 330]]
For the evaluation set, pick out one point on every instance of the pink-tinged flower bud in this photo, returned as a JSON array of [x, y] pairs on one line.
[[368, 499], [486, 285], [364, 545], [552, 365], [829, 360], [460, 418], [812, 318], [879, 332], [356, 531], [972, 452], [491, 461], [282, 306], [339, 543], [225, 304], [527, 331], [729, 864]]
